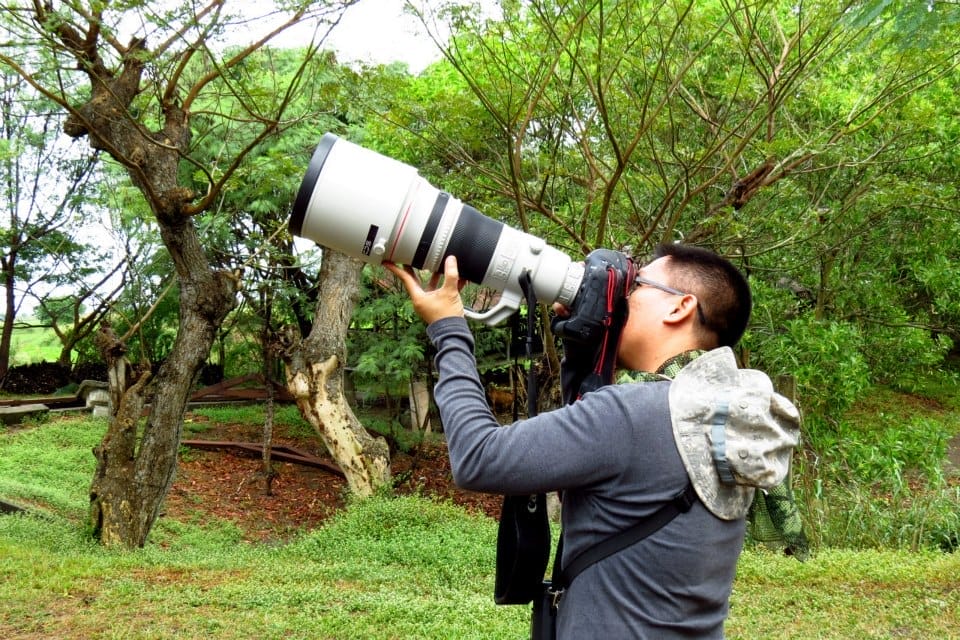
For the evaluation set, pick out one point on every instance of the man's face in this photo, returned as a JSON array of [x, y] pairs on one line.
[[647, 309]]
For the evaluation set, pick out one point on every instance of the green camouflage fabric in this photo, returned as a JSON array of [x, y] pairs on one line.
[[667, 371], [774, 518]]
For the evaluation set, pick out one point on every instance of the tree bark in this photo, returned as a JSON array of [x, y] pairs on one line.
[[315, 377], [131, 482], [112, 498], [10, 311]]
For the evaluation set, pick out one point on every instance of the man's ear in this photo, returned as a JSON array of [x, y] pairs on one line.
[[685, 309]]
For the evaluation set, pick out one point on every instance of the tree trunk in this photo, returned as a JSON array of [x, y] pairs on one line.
[[131, 482], [10, 310], [135, 467], [420, 406], [268, 354], [315, 377], [113, 499]]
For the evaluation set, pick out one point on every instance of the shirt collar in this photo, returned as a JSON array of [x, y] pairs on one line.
[[667, 370]]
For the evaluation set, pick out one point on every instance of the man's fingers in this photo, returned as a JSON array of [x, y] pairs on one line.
[[408, 276], [450, 268], [405, 275], [451, 274]]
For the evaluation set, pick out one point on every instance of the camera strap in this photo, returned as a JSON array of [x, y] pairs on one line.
[[523, 537], [561, 578]]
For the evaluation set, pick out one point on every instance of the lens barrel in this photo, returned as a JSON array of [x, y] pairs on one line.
[[375, 208]]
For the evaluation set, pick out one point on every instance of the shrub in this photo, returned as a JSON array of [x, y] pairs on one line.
[[825, 357], [39, 378]]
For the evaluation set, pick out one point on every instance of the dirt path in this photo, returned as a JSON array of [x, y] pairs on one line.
[[231, 485]]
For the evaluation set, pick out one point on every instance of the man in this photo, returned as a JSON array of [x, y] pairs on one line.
[[618, 454]]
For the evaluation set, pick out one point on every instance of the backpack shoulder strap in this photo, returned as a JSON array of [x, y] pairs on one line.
[[681, 503]]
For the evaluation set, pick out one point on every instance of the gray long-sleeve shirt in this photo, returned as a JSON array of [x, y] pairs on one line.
[[613, 455]]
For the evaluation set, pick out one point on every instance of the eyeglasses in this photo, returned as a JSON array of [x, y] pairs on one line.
[[640, 280]]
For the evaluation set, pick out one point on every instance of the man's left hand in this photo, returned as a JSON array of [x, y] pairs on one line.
[[430, 301]]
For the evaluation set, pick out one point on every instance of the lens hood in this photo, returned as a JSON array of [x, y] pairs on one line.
[[309, 182]]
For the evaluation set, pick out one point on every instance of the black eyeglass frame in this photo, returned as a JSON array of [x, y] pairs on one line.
[[640, 280]]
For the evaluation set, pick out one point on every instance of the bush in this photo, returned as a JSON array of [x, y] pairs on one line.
[[89, 371], [825, 357], [40, 378]]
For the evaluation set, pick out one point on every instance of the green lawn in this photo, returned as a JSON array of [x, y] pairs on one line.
[[33, 345], [408, 568], [384, 568]]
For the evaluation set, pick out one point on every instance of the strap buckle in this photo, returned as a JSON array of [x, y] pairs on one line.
[[555, 595], [685, 499]]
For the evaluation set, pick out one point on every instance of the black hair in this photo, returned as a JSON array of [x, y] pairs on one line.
[[721, 290]]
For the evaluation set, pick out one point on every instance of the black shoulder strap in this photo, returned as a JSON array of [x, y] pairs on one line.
[[523, 537], [681, 503]]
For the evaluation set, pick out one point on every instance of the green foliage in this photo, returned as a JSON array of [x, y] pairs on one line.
[[48, 189], [56, 310], [885, 450], [601, 130], [888, 348], [399, 435], [846, 515], [246, 233], [386, 345], [825, 357], [880, 477]]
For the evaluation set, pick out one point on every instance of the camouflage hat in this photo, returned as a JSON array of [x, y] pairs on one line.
[[733, 431]]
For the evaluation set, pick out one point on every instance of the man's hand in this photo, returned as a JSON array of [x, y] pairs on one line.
[[432, 302]]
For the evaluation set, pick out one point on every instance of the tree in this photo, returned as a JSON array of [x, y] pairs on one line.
[[315, 310], [134, 99], [47, 189], [775, 133]]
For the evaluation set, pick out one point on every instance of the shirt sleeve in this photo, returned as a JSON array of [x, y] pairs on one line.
[[578, 445]]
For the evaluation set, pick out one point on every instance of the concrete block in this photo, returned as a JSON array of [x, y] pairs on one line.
[[16, 414]]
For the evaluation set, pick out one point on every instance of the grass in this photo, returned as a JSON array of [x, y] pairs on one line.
[[847, 594], [394, 568], [408, 568], [390, 568], [51, 465], [253, 415], [34, 344]]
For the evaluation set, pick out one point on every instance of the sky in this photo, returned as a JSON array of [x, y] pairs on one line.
[[377, 31]]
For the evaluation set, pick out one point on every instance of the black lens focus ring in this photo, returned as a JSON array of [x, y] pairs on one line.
[[474, 242]]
